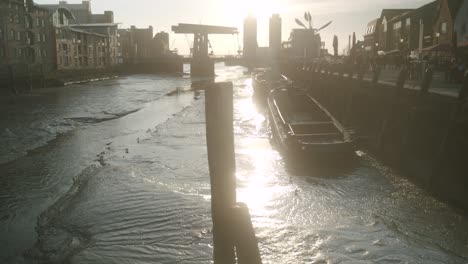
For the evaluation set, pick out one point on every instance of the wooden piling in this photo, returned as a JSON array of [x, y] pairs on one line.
[[245, 240], [221, 159]]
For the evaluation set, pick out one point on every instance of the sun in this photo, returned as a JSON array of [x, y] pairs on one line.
[[259, 8]]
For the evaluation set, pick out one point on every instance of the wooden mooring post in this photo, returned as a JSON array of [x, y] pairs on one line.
[[233, 234]]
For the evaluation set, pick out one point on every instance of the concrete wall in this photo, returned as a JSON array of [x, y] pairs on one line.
[[414, 132]]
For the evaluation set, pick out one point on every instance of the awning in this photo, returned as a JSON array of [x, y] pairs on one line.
[[439, 47], [392, 52], [463, 44]]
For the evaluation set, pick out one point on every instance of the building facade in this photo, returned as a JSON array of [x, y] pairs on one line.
[[161, 43], [371, 38], [390, 29], [250, 39], [275, 35], [305, 43], [26, 38], [461, 28], [76, 48], [111, 48]]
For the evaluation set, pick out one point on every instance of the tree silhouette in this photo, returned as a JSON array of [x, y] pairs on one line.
[[335, 45], [354, 39]]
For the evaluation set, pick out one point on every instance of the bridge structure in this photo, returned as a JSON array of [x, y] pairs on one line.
[[201, 64]]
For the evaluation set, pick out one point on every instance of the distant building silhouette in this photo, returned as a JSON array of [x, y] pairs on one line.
[[250, 40], [305, 43], [275, 35], [138, 44], [82, 13]]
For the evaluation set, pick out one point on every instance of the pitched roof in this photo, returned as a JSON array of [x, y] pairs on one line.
[[454, 6], [427, 12], [96, 25], [391, 13]]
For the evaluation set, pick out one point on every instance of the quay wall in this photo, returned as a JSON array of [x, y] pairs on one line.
[[421, 134], [23, 78]]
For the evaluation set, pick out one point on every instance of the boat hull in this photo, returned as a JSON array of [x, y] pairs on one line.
[[310, 145]]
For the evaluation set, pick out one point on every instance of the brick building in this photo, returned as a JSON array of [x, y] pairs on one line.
[[371, 36], [389, 29], [415, 31], [81, 43], [461, 28], [26, 39], [111, 47]]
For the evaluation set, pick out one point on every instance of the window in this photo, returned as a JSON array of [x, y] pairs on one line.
[[443, 27], [18, 36], [38, 37], [42, 22], [17, 19], [44, 53], [384, 26], [408, 21], [43, 38], [38, 22], [397, 25], [12, 34], [1, 33], [11, 18], [2, 52], [26, 22]]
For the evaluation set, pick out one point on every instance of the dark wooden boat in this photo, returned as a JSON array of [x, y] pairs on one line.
[[265, 80], [301, 125]]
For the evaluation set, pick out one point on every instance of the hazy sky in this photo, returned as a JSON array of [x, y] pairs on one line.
[[348, 16]]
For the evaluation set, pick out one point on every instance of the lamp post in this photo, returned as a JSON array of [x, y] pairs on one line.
[[437, 35]]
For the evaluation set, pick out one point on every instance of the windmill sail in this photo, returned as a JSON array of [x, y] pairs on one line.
[[300, 23]]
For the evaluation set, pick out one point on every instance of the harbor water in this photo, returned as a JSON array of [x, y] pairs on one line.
[[116, 172]]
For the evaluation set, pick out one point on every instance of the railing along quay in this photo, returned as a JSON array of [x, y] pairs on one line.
[[414, 123]]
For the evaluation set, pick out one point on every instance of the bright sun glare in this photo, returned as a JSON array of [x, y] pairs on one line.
[[259, 8]]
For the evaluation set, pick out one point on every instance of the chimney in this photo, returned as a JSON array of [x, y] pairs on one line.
[[109, 16]]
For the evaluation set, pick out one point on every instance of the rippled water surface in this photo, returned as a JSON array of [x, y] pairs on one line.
[[116, 172]]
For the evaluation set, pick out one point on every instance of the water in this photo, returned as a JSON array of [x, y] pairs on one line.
[[116, 172]]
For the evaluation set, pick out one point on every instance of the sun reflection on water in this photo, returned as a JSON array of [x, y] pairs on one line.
[[258, 186], [257, 175]]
